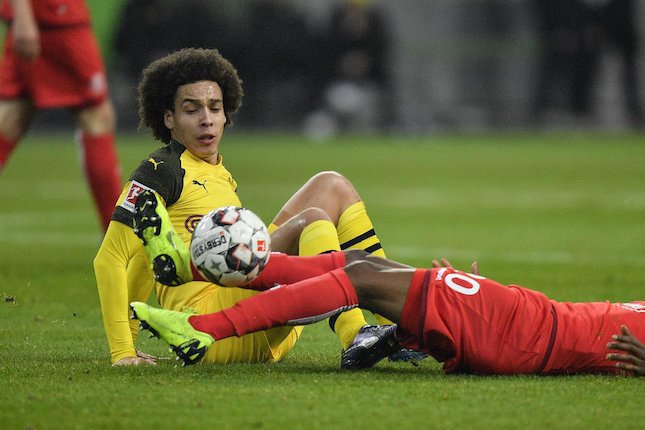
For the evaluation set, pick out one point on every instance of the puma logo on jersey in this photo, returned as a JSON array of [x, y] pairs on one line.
[[154, 163], [201, 184]]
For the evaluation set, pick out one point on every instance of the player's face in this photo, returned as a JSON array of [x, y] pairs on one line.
[[198, 120]]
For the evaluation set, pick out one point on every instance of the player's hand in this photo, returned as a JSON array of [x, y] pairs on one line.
[[146, 356], [26, 37], [634, 359], [141, 359], [474, 269]]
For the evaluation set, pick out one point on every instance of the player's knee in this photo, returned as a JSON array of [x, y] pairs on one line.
[[15, 118], [333, 181], [96, 120], [335, 190]]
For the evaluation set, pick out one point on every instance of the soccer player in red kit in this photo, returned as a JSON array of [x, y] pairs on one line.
[[470, 323], [52, 60]]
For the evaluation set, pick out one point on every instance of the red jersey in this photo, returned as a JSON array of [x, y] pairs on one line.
[[476, 325], [53, 13]]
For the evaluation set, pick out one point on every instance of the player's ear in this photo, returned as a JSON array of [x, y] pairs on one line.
[[169, 119]]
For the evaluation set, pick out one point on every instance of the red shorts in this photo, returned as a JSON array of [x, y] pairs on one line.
[[476, 325], [69, 72]]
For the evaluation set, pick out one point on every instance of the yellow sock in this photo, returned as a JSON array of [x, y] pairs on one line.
[[318, 237], [356, 231], [346, 326]]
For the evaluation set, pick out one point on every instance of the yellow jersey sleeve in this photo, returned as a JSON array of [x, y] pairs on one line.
[[122, 275]]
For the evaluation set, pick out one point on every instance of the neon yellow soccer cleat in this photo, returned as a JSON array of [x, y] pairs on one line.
[[173, 327], [169, 256]]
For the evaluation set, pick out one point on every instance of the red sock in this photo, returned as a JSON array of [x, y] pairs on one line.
[[103, 173], [304, 302], [287, 269], [6, 148]]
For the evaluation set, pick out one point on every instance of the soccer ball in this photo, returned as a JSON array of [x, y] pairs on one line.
[[230, 246]]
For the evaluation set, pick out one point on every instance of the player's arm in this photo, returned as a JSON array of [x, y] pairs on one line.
[[122, 275], [25, 30], [634, 359]]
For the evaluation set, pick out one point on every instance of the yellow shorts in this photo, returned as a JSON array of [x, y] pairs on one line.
[[266, 346]]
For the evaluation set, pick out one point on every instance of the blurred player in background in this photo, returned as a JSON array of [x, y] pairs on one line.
[[468, 322], [186, 99], [52, 60]]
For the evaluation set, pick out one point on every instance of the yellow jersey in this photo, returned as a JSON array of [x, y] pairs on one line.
[[190, 187]]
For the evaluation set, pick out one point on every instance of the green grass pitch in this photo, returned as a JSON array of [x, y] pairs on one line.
[[563, 214]]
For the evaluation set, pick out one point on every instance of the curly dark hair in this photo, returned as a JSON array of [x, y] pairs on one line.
[[161, 78]]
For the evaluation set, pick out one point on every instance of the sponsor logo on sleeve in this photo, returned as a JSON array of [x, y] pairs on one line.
[[133, 192]]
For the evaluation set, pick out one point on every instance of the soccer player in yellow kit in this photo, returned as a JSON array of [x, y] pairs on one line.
[[186, 100]]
